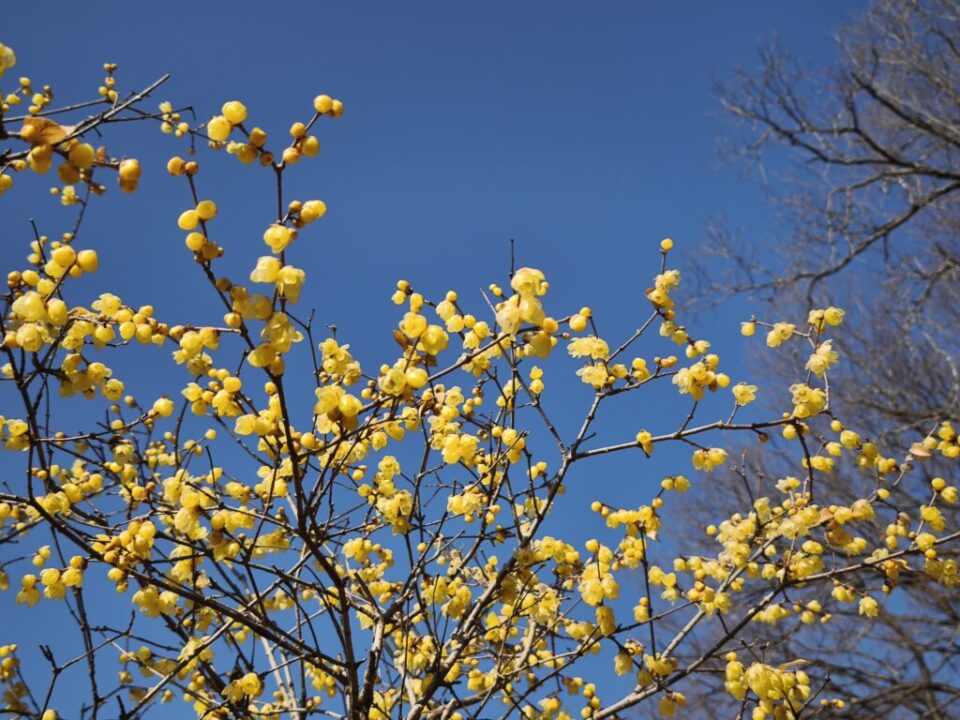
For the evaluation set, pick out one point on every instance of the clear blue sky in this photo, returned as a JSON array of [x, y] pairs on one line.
[[587, 131]]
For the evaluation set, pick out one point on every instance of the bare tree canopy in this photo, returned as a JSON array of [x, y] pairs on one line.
[[879, 137], [862, 160]]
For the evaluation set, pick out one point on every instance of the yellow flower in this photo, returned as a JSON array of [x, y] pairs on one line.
[[313, 210], [417, 378], [290, 280], [819, 319], [869, 607], [413, 325], [234, 111], [393, 381], [822, 359], [595, 375], [434, 340], [744, 394], [164, 407], [590, 345], [218, 128], [266, 271], [7, 58], [709, 458], [606, 620], [807, 401], [578, 323], [251, 684], [833, 315], [278, 237], [509, 315], [528, 282], [645, 441], [781, 332]]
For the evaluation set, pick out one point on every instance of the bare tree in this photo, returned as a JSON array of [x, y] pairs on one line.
[[862, 161]]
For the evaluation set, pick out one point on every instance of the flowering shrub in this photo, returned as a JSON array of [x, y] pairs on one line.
[[387, 554]]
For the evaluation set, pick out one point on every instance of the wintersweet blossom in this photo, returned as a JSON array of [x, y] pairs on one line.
[[304, 518]]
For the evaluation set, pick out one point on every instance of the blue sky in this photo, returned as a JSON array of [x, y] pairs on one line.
[[585, 131]]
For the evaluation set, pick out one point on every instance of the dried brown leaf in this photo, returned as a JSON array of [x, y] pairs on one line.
[[41, 131]]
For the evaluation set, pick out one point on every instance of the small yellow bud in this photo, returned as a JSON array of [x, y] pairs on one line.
[[234, 111], [218, 129], [323, 104]]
